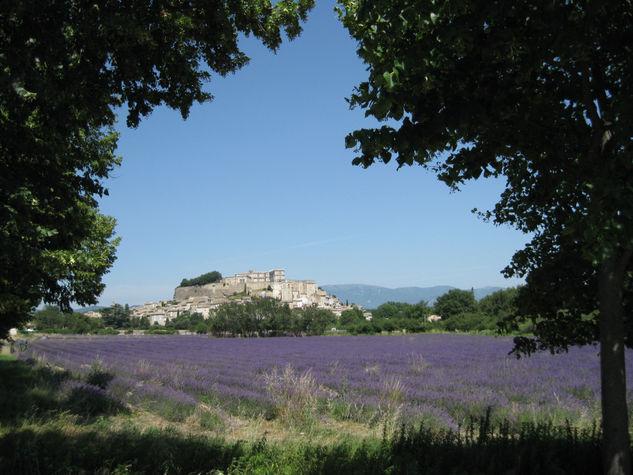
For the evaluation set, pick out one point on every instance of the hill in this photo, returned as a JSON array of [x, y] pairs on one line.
[[93, 308], [372, 296]]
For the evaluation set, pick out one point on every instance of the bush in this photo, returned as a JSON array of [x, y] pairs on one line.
[[365, 328], [99, 378], [161, 331], [89, 401], [105, 331]]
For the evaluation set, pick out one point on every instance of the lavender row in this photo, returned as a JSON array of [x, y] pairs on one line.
[[442, 378]]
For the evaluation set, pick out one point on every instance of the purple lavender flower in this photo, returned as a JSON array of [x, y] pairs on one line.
[[440, 379]]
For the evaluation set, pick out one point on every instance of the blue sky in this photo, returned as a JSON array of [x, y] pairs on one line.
[[259, 178]]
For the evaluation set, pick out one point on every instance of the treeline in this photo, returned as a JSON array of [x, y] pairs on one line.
[[459, 310], [114, 318], [208, 278], [268, 317], [51, 320], [260, 317], [389, 317]]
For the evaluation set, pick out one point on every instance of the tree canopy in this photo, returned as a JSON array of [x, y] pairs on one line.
[[116, 316], [208, 278], [268, 317], [501, 303], [454, 302], [66, 68], [51, 320], [539, 93]]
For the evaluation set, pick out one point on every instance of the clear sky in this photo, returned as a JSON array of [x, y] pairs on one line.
[[260, 179]]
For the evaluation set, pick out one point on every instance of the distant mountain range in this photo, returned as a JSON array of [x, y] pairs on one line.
[[372, 296]]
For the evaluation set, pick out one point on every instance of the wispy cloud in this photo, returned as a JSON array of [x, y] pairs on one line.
[[302, 245]]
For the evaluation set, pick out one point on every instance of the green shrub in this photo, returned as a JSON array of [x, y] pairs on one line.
[[89, 401], [99, 378], [104, 331], [161, 331]]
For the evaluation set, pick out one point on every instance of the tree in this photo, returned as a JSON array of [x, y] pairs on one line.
[[500, 303], [391, 310], [51, 319], [115, 316], [222, 319], [282, 320], [350, 317], [538, 92], [454, 302], [141, 323], [419, 311], [314, 321], [201, 328], [54, 244], [46, 317], [208, 278], [466, 322], [65, 69], [404, 312]]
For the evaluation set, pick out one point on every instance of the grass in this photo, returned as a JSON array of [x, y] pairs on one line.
[[52, 422]]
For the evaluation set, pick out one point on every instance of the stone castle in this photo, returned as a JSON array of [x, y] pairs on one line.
[[240, 288], [270, 284]]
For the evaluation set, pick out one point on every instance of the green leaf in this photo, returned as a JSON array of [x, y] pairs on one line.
[[388, 77]]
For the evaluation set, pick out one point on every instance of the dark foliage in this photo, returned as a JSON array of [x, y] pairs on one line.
[[51, 320], [268, 317], [116, 316], [208, 278], [536, 450]]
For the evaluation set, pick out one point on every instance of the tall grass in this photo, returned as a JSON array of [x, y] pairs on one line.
[[538, 449], [294, 395], [41, 431]]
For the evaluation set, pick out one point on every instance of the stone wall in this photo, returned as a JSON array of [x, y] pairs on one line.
[[209, 290], [221, 289]]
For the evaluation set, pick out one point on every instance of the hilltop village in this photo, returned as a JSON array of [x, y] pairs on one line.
[[241, 288]]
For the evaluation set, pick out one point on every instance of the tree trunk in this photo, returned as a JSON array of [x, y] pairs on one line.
[[616, 444]]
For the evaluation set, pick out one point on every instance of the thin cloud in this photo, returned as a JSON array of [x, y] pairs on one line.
[[302, 245]]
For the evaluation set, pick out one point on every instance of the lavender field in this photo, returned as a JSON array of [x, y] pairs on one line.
[[443, 380]]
